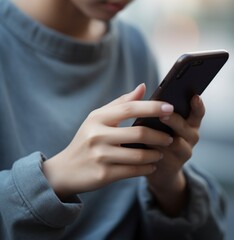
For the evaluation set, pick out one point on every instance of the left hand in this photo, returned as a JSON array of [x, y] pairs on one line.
[[168, 181]]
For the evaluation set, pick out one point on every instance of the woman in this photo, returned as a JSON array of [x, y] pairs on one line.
[[64, 64]]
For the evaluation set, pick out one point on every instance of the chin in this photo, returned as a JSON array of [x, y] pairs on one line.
[[105, 18]]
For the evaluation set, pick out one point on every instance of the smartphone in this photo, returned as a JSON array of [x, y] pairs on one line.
[[190, 75]]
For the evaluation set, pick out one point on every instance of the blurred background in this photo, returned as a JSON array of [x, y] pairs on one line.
[[173, 27]]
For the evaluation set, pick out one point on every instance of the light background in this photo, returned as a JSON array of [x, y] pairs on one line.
[[173, 27]]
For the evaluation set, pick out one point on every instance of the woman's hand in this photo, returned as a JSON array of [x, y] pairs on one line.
[[95, 157], [168, 182]]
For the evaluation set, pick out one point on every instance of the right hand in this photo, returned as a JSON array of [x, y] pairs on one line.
[[95, 158]]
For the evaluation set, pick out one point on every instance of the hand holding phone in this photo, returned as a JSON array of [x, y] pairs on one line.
[[189, 76]]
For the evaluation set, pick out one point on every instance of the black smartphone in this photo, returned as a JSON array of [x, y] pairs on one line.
[[190, 75]]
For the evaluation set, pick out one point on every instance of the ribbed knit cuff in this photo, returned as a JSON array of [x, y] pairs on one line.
[[39, 197]]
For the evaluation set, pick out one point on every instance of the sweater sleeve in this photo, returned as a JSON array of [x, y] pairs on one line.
[[29, 207], [203, 218]]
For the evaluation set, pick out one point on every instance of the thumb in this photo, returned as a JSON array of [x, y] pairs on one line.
[[137, 94]]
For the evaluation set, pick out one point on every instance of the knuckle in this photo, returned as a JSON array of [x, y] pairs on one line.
[[96, 136], [196, 138], [93, 138], [188, 154], [177, 143], [186, 151], [139, 156], [102, 174], [139, 133], [185, 156], [127, 109], [94, 114], [99, 155]]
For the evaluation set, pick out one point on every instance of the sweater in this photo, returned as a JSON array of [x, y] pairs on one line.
[[49, 83]]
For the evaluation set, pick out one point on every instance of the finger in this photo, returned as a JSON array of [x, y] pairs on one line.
[[197, 112], [129, 156], [135, 109], [118, 172], [137, 94], [176, 122], [182, 128], [181, 149], [137, 134]]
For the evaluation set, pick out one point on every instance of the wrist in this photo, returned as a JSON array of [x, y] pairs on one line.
[[170, 192], [167, 183], [54, 172]]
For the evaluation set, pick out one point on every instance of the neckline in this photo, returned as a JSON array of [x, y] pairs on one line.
[[51, 42]]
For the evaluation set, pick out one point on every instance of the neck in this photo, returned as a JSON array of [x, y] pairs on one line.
[[63, 17]]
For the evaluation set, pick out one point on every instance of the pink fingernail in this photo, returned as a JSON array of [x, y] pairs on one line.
[[153, 168], [167, 108], [166, 118], [171, 140], [142, 84]]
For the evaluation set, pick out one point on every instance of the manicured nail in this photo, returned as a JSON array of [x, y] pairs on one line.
[[167, 108], [142, 84], [154, 168], [166, 118], [170, 140]]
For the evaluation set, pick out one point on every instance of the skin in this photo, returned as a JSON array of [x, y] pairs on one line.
[[94, 158]]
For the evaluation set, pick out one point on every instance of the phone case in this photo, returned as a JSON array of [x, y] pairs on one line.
[[189, 76]]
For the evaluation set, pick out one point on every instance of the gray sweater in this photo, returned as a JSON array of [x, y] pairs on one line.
[[49, 83]]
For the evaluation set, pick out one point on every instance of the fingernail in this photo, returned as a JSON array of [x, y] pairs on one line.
[[166, 118], [170, 140], [167, 108], [142, 84], [154, 168]]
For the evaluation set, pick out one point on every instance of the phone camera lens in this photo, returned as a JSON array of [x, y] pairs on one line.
[[197, 63], [178, 75]]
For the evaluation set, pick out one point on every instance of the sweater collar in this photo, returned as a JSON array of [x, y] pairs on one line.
[[58, 45]]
